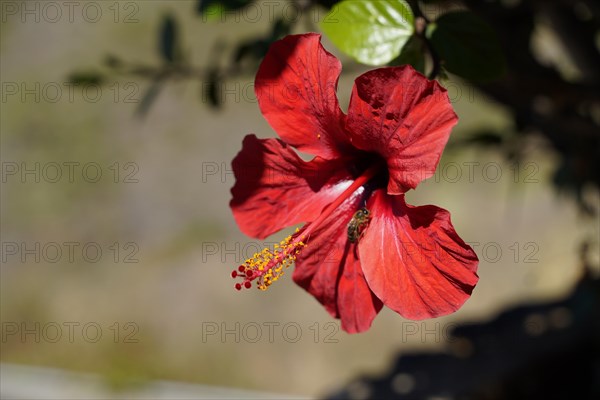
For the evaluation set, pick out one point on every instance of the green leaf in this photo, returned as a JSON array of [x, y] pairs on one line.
[[86, 78], [413, 53], [210, 89], [280, 28], [168, 41], [467, 45], [371, 31], [215, 9], [251, 51]]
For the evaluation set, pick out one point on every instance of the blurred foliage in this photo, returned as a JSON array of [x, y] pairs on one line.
[[543, 99], [413, 53], [467, 45]]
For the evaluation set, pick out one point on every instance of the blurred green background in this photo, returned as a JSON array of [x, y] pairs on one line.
[[159, 215]]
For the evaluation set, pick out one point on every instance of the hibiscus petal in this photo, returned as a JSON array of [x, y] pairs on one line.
[[296, 90], [275, 188], [414, 260], [404, 117], [329, 269]]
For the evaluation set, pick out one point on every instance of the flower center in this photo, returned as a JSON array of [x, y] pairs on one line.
[[268, 266]]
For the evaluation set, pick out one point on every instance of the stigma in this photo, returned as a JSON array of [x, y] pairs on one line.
[[266, 267]]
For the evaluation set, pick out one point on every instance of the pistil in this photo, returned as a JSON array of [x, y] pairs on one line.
[[268, 266]]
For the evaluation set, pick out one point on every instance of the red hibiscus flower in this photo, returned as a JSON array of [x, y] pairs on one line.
[[361, 246]]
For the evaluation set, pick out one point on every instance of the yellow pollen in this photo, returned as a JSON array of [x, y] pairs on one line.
[[267, 266]]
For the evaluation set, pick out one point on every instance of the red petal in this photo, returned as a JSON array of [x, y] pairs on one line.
[[296, 90], [414, 260], [275, 188], [404, 117], [329, 269]]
